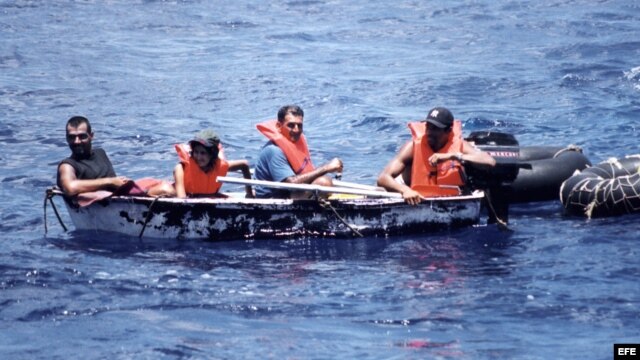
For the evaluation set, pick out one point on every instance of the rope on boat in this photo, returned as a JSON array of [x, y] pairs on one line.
[[502, 225], [326, 204], [570, 147], [49, 194], [44, 206], [148, 217]]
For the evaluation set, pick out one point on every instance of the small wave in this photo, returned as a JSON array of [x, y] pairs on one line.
[[135, 141], [19, 5], [179, 352], [210, 96], [13, 179], [53, 141], [42, 314], [383, 20], [40, 92], [293, 36], [29, 181], [571, 80], [61, 106], [633, 74], [371, 121], [238, 24], [477, 123], [414, 321], [11, 62], [589, 50], [304, 3], [427, 344], [35, 183], [5, 132]]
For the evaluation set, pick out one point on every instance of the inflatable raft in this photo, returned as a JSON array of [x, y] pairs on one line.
[[543, 170], [607, 189]]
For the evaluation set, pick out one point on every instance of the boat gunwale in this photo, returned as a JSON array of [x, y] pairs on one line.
[[233, 199], [360, 209]]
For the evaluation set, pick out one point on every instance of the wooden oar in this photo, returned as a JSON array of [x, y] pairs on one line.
[[351, 185], [307, 187]]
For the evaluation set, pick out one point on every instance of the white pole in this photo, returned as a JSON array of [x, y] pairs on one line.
[[307, 187]]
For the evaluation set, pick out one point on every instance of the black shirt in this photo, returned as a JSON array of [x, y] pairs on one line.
[[96, 166]]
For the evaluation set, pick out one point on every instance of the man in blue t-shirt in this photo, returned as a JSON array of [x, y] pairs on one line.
[[273, 165]]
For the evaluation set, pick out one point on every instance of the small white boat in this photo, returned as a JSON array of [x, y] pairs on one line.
[[240, 218]]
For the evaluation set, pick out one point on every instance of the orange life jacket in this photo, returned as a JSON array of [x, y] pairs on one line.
[[297, 153], [196, 181], [427, 179]]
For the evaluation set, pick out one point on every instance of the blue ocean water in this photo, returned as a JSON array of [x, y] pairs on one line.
[[151, 73]]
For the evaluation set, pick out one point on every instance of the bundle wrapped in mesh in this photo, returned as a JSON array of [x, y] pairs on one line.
[[609, 188]]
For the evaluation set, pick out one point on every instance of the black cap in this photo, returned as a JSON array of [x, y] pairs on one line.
[[440, 117], [207, 138]]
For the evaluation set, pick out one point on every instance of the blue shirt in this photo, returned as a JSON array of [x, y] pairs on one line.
[[272, 165]]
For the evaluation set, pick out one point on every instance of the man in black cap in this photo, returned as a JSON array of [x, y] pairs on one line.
[[432, 163]]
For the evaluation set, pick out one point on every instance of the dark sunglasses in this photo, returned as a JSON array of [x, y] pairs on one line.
[[293, 125], [82, 136]]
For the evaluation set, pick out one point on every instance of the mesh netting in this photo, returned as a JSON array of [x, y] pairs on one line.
[[607, 189]]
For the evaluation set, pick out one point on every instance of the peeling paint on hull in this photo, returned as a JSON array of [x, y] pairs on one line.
[[233, 218]]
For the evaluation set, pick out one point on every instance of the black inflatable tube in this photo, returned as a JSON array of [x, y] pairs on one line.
[[550, 166], [609, 188], [531, 153]]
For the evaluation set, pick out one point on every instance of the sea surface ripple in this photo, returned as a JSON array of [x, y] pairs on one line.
[[149, 74]]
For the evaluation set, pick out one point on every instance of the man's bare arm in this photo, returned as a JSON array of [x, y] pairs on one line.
[[395, 167], [243, 167], [335, 165], [74, 186], [469, 154], [475, 155]]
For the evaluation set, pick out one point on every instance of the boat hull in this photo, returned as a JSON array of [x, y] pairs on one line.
[[232, 218]]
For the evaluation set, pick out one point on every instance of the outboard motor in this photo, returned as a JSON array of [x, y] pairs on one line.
[[505, 149], [495, 181]]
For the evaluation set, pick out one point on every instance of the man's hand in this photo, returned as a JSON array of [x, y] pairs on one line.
[[335, 165], [119, 181], [437, 157], [411, 197]]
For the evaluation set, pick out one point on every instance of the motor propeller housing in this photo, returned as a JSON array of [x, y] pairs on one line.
[[505, 149]]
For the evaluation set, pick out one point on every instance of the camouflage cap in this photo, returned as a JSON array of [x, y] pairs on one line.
[[207, 138]]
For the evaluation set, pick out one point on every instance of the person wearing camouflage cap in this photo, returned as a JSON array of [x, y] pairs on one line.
[[201, 162]]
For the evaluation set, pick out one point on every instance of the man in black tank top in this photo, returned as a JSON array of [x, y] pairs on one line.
[[86, 169], [89, 169]]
